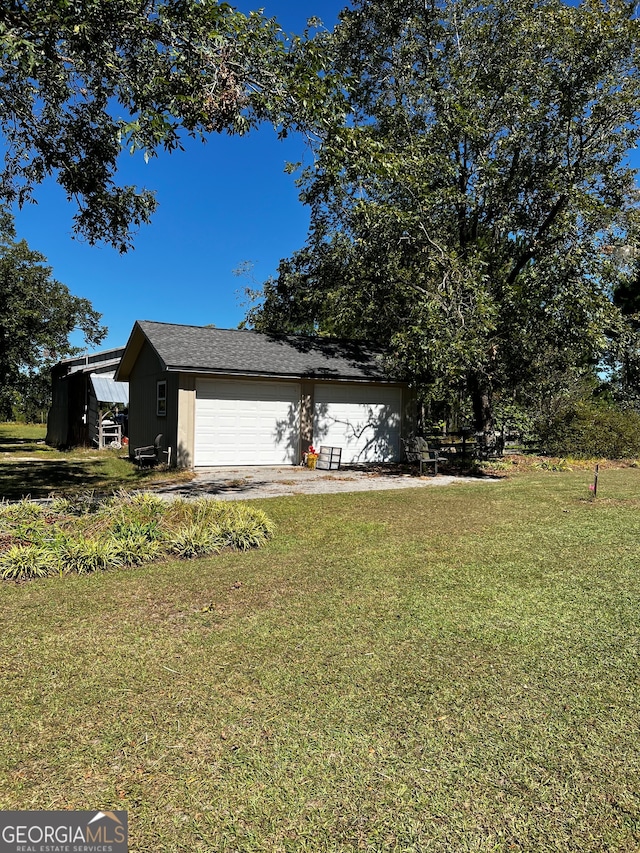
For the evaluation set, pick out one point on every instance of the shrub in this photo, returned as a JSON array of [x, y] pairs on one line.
[[84, 556], [196, 540], [20, 562], [134, 550], [587, 430], [22, 511]]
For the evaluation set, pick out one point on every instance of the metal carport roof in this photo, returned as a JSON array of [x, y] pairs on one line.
[[107, 390]]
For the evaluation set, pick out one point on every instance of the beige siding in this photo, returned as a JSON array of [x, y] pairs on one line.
[[185, 443]]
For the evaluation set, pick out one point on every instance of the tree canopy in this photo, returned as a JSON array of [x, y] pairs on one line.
[[80, 81], [37, 315], [463, 213]]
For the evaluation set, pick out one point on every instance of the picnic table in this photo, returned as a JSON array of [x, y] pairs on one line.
[[454, 446]]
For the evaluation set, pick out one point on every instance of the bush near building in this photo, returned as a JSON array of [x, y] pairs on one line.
[[591, 430]]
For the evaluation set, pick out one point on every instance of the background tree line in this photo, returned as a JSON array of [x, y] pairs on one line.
[[472, 207], [471, 213]]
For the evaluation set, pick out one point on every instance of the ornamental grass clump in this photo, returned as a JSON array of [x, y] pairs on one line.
[[86, 503], [145, 505], [85, 556], [246, 528], [205, 526], [196, 540], [23, 562], [83, 537], [134, 550], [139, 514], [201, 511], [149, 530], [22, 511], [61, 506]]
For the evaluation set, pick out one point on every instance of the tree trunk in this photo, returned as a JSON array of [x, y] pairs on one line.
[[483, 420]]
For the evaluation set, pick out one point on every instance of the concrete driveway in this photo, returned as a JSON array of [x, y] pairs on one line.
[[243, 483]]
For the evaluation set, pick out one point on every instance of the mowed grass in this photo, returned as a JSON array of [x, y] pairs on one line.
[[445, 669], [30, 468]]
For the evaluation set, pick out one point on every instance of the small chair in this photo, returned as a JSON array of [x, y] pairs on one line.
[[150, 454]]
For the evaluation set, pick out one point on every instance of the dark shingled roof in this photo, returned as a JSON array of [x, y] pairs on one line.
[[247, 352]]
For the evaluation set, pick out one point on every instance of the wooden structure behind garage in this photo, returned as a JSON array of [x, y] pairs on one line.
[[73, 416]]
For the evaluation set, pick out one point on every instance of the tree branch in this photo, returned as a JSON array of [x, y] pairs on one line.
[[529, 254]]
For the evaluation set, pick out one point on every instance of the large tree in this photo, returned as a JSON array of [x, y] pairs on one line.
[[464, 211], [37, 316], [82, 79]]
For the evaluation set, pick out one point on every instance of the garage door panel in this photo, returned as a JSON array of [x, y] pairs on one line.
[[247, 423], [364, 422]]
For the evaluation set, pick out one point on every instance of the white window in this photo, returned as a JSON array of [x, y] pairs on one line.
[[161, 398]]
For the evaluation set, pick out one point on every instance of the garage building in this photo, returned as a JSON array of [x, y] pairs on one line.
[[242, 397]]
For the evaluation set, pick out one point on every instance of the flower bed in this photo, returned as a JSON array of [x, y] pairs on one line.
[[88, 534]]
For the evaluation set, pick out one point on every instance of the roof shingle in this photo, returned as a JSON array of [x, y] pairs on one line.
[[247, 352]]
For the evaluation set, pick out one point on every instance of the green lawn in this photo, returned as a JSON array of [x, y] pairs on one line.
[[29, 468], [447, 669]]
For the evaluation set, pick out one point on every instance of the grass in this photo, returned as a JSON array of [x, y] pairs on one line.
[[29, 468], [448, 669], [88, 535]]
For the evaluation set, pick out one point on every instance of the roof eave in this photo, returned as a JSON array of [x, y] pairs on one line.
[[316, 375]]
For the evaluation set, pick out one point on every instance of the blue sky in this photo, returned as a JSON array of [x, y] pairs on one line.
[[220, 203]]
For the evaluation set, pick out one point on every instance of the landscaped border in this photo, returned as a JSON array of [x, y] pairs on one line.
[[88, 534]]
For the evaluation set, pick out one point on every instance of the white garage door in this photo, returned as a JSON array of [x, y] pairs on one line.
[[363, 421], [247, 423]]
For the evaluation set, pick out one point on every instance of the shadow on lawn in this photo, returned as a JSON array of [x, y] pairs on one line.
[[38, 478], [8, 444]]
